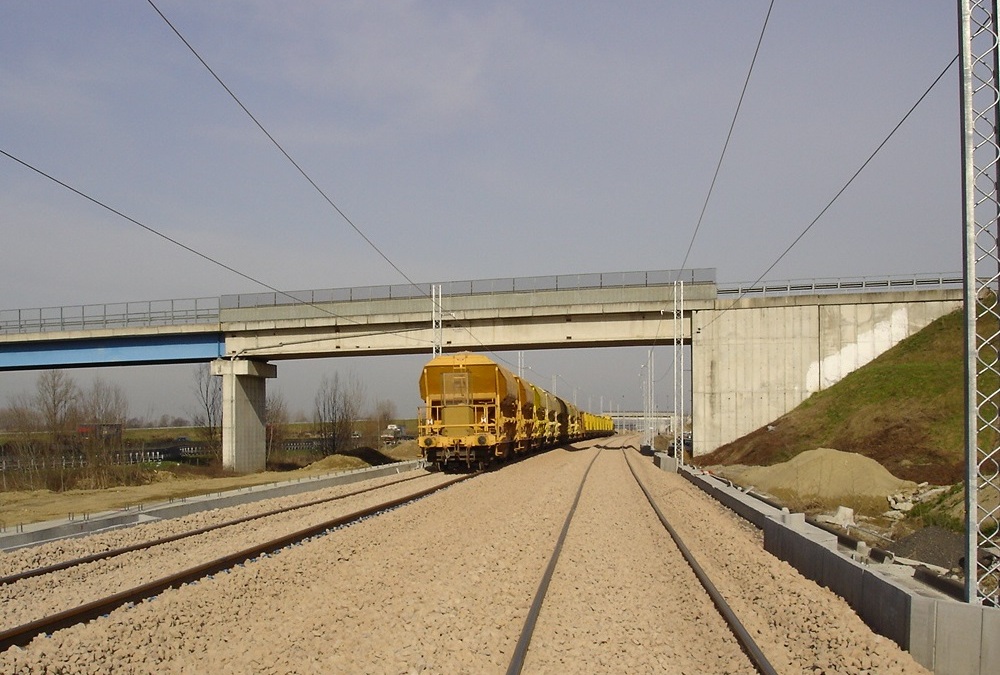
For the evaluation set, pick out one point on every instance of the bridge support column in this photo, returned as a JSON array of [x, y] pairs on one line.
[[243, 427]]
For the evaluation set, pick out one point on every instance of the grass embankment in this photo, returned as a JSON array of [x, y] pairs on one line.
[[905, 410]]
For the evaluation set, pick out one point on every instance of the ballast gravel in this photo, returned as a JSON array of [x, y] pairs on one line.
[[66, 589], [444, 584]]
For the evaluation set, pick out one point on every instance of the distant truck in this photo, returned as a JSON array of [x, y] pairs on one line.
[[393, 434]]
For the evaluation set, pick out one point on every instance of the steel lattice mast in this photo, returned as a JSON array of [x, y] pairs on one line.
[[980, 104]]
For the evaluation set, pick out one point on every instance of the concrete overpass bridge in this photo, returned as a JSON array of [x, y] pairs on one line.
[[757, 352]]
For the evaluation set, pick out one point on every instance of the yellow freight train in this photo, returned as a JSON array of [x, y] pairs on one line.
[[475, 411]]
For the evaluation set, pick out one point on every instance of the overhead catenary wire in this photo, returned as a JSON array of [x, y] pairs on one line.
[[839, 192], [729, 136], [244, 275], [184, 246], [715, 175], [280, 148], [307, 177]]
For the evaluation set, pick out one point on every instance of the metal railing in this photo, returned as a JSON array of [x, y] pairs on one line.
[[843, 285], [560, 282], [207, 310], [110, 315]]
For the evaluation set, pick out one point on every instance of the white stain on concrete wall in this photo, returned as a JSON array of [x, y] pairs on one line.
[[879, 338]]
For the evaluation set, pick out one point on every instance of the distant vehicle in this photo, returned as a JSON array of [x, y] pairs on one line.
[[356, 435], [392, 434]]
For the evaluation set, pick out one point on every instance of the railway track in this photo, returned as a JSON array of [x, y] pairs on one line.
[[446, 585], [749, 646], [22, 634], [159, 541]]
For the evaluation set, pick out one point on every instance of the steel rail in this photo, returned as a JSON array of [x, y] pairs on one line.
[[521, 649], [23, 634], [111, 553], [747, 643]]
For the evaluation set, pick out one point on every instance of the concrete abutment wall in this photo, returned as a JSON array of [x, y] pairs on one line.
[[755, 360]]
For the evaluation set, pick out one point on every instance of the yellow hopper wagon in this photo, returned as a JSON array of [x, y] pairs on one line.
[[476, 411], [470, 412]]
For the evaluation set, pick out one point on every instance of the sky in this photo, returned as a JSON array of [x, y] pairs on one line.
[[464, 140]]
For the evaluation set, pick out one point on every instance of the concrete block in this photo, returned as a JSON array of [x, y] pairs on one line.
[[665, 462], [885, 607], [844, 577], [244, 367], [923, 618], [747, 507], [804, 547], [958, 638], [794, 521], [989, 658], [815, 555], [773, 538]]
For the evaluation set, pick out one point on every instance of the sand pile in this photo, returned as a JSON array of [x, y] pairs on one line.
[[822, 473]]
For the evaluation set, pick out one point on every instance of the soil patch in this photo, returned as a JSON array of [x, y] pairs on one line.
[[934, 545]]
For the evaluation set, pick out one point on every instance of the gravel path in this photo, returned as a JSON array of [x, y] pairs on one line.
[[444, 584]]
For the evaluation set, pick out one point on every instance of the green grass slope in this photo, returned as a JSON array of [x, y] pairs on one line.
[[905, 410]]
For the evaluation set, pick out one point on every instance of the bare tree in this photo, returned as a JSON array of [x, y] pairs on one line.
[[104, 412], [104, 403], [208, 389], [276, 421], [21, 420], [354, 404], [326, 412], [20, 415], [56, 399], [56, 402], [338, 407]]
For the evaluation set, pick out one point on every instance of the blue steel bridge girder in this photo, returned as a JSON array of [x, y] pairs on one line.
[[112, 351]]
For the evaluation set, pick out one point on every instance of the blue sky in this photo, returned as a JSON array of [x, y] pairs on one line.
[[466, 140]]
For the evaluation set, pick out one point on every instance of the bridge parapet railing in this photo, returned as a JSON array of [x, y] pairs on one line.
[[472, 287], [207, 310], [843, 285], [110, 315]]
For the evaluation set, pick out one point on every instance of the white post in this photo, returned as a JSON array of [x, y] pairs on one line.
[[436, 327]]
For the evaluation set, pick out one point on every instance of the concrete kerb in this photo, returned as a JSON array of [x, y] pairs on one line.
[[37, 533], [943, 635]]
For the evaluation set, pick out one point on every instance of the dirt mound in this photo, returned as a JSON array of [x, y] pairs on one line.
[[822, 473], [336, 463]]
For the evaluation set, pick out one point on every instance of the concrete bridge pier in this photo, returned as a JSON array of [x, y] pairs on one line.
[[244, 392]]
